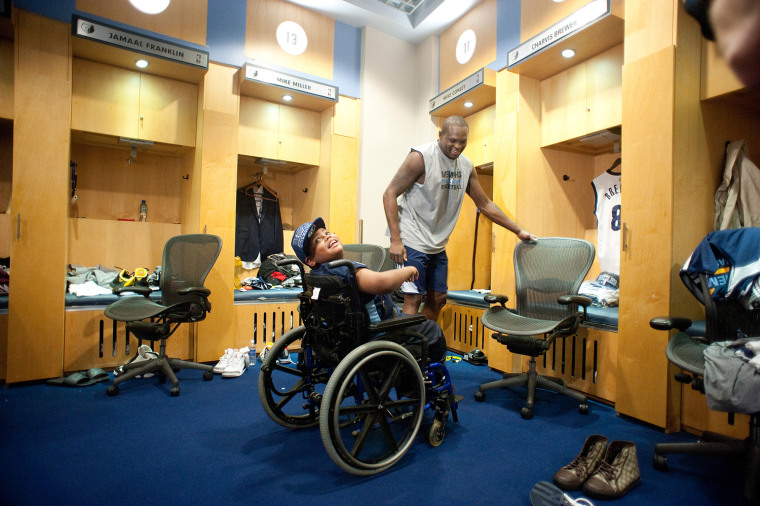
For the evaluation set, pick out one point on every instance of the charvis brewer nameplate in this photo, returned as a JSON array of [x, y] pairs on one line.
[[266, 76], [575, 22], [99, 32]]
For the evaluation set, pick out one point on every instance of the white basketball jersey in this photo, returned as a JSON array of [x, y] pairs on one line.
[[607, 210]]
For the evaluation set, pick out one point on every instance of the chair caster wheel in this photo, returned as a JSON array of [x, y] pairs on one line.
[[583, 409], [480, 396], [526, 413], [437, 432], [208, 376], [660, 462], [174, 392], [113, 390]]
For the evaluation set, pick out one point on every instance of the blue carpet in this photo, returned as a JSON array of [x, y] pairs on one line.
[[215, 445]]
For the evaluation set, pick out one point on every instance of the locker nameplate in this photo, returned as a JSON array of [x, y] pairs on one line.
[[125, 39], [267, 76], [575, 22]]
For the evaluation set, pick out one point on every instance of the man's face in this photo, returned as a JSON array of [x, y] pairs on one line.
[[324, 247], [453, 141]]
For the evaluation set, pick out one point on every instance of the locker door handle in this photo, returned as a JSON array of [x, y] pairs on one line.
[[624, 240]]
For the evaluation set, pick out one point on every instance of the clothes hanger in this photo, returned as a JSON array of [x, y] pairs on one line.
[[615, 164], [250, 190]]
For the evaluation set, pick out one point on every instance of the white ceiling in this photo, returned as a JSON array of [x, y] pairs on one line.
[[430, 17]]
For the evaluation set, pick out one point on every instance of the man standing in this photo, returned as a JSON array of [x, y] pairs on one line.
[[432, 182]]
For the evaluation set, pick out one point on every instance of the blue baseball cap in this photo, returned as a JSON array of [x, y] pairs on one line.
[[302, 237]]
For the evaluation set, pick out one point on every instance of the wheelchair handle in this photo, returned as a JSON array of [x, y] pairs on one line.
[[342, 262]]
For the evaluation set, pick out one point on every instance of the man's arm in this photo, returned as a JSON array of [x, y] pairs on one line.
[[413, 169], [378, 283], [492, 211]]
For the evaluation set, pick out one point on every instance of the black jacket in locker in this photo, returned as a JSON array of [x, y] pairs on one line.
[[254, 235]]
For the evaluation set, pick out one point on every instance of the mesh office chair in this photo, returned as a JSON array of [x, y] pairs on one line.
[[369, 254], [186, 262], [723, 319], [548, 274]]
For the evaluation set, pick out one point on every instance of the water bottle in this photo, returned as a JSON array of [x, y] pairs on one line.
[[143, 211], [252, 353]]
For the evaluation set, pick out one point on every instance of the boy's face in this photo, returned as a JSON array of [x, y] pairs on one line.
[[324, 247]]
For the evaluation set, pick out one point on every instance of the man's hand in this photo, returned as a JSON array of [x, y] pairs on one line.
[[397, 252], [526, 236]]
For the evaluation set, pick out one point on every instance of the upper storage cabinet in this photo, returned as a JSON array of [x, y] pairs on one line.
[[279, 132], [114, 101], [583, 99]]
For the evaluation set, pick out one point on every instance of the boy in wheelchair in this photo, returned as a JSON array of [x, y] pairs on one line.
[[316, 247]]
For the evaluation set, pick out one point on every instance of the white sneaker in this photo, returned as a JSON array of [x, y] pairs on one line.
[[224, 361], [237, 365], [144, 353]]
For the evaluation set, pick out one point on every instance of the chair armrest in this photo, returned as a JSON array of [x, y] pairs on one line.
[[670, 322], [581, 300], [145, 291], [494, 298], [396, 323], [195, 290]]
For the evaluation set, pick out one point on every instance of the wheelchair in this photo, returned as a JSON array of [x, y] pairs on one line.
[[367, 385]]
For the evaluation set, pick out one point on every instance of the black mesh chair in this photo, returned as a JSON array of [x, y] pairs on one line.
[[368, 254], [186, 262], [723, 319], [548, 274]]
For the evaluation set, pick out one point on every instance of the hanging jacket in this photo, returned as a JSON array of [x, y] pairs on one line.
[[257, 234], [730, 261], [737, 200]]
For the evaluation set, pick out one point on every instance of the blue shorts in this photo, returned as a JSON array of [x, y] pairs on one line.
[[433, 269]]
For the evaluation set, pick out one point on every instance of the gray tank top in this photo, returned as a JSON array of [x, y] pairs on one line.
[[428, 212]]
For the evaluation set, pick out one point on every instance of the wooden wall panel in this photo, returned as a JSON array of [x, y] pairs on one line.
[[6, 78], [482, 20], [42, 104], [649, 27], [538, 15], [122, 244], [216, 174], [344, 188], [263, 18], [111, 184], [183, 19], [93, 340], [648, 216]]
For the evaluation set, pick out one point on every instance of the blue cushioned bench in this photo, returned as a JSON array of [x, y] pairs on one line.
[[271, 295]]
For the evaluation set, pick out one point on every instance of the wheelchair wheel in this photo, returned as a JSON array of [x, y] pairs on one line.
[[372, 408], [291, 393]]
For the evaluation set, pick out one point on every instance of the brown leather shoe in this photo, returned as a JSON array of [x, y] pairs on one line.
[[617, 473], [572, 476]]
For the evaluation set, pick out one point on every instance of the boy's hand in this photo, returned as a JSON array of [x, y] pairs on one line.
[[414, 274]]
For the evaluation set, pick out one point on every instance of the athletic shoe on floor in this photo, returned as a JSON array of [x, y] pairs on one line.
[[224, 361], [237, 364], [548, 494], [284, 358], [144, 353]]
